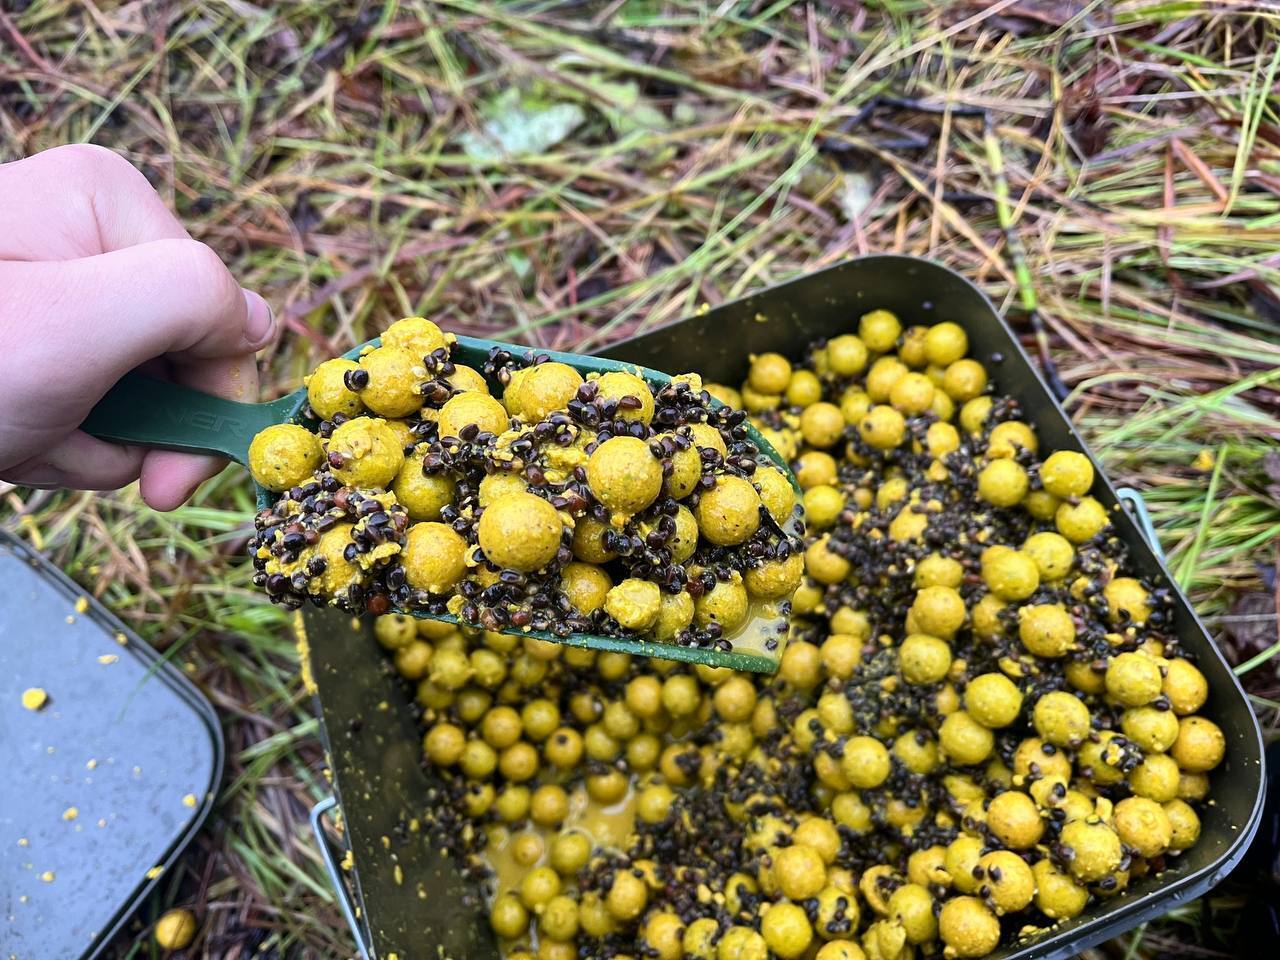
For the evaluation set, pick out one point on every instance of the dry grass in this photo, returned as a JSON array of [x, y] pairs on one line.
[[1108, 171]]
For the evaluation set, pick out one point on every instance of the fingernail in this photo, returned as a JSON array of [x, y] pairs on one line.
[[260, 325]]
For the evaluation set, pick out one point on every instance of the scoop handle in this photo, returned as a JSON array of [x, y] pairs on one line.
[[148, 412]]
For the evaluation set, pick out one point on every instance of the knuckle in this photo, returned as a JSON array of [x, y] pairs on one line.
[[208, 282], [90, 162], [99, 172], [211, 293]]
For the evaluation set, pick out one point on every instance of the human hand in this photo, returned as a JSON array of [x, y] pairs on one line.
[[97, 277]]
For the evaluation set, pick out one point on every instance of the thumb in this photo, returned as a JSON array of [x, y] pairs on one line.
[[170, 298]]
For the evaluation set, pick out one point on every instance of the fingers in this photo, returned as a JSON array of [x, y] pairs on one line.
[[169, 479], [77, 201], [80, 462], [99, 317]]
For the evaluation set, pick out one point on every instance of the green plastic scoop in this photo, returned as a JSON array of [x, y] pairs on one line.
[[147, 412]]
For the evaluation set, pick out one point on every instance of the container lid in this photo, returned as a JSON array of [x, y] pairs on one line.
[[106, 782]]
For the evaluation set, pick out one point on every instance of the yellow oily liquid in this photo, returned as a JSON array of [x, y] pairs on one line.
[[608, 827], [761, 624]]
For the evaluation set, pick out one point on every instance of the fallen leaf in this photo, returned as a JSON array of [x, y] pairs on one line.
[[855, 194], [520, 264], [515, 126], [624, 106]]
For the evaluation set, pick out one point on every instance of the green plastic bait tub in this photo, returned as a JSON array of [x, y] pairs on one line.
[[406, 901]]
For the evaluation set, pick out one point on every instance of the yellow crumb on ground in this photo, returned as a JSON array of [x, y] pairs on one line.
[[154, 872], [70, 813], [108, 658], [82, 604], [189, 800], [1204, 461], [47, 876], [34, 698]]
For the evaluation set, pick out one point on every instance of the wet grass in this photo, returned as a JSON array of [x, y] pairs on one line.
[[1107, 172]]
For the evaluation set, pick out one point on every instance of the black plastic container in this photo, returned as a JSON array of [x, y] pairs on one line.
[[107, 783], [785, 318]]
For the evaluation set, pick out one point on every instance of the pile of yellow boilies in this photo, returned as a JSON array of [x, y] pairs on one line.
[[982, 722]]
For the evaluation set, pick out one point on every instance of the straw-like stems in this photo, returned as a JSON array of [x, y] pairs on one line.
[[1109, 171]]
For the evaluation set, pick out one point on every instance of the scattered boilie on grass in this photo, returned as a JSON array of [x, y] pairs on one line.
[[176, 929]]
